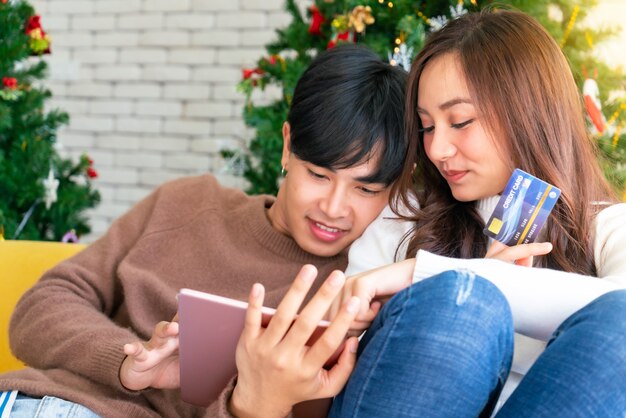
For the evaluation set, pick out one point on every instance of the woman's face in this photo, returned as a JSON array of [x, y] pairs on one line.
[[324, 210], [455, 139]]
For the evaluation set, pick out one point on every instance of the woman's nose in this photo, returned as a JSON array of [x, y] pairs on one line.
[[440, 147]]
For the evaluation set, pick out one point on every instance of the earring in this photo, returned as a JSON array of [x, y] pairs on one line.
[[282, 171]]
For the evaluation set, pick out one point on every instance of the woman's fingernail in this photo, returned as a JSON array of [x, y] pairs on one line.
[[354, 345]]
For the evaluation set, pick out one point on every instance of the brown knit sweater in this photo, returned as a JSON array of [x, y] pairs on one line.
[[72, 325]]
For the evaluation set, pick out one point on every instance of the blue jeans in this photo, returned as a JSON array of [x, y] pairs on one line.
[[48, 407], [443, 348], [582, 372]]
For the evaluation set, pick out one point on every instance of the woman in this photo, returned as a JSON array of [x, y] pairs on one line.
[[344, 146], [491, 92]]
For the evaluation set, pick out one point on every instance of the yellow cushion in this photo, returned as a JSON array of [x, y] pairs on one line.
[[21, 265]]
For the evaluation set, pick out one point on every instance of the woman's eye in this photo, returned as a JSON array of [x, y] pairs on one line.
[[426, 129], [462, 124]]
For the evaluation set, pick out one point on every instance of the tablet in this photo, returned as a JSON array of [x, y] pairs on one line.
[[210, 327]]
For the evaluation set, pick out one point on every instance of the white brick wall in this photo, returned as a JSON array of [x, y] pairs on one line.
[[150, 86]]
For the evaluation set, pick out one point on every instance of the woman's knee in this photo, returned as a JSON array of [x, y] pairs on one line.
[[607, 309], [458, 293], [601, 324], [464, 287]]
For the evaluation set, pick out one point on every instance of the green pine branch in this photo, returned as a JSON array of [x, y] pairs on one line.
[[27, 138], [407, 20]]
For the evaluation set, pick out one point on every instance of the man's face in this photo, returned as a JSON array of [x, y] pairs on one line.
[[325, 210]]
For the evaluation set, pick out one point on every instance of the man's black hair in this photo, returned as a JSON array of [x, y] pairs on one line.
[[348, 107]]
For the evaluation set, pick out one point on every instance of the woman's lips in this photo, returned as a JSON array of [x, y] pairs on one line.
[[454, 176]]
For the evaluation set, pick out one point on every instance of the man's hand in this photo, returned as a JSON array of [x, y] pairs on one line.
[[276, 369], [154, 363]]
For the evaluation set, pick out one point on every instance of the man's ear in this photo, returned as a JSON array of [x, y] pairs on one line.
[[284, 161]]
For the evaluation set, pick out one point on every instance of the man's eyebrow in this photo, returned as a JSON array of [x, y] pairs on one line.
[[367, 180], [360, 179]]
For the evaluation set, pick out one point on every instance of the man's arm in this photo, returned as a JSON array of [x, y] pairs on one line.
[[64, 320]]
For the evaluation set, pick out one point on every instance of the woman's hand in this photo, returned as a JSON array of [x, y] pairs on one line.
[[154, 363], [521, 254], [372, 288], [276, 369]]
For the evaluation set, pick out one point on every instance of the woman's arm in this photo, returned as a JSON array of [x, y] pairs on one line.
[[540, 299]]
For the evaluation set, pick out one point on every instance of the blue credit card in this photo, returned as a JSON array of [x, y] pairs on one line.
[[522, 210]]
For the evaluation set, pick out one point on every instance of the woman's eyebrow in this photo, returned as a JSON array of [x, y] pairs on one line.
[[453, 102], [448, 104]]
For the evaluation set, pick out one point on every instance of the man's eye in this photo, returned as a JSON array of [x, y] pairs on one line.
[[316, 175], [370, 191], [462, 124]]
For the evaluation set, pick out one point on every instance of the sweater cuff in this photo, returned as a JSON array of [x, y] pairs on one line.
[[108, 361], [219, 408]]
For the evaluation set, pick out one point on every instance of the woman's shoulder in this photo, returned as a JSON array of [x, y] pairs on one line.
[[610, 223], [380, 242], [610, 236], [614, 213], [391, 223]]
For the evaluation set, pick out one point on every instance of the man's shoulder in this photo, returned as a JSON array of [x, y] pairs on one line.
[[203, 190], [200, 183], [183, 199]]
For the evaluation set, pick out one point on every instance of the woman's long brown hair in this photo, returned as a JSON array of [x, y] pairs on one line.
[[526, 96]]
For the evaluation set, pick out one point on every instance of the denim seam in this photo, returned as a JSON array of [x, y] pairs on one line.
[[73, 409], [382, 350], [39, 411]]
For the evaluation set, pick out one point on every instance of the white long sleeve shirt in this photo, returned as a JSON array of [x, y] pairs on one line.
[[540, 301]]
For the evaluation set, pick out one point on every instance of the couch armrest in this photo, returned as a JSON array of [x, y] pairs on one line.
[[21, 264]]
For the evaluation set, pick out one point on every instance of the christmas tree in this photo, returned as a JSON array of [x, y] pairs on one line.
[[396, 29], [42, 195]]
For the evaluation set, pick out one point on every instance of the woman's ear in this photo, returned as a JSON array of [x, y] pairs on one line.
[[284, 161]]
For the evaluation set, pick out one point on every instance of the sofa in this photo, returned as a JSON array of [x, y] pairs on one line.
[[21, 265]]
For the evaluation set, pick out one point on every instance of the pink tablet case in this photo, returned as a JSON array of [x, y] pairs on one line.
[[210, 327]]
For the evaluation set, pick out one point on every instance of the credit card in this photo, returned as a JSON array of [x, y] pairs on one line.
[[522, 210]]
